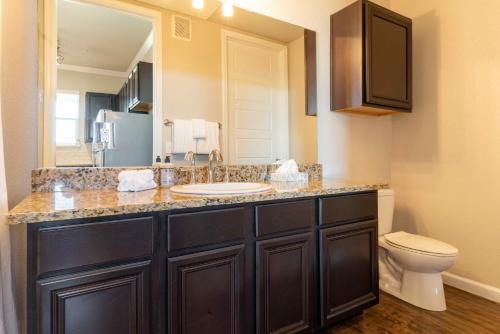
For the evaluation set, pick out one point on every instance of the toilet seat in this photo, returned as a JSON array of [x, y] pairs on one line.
[[419, 244]]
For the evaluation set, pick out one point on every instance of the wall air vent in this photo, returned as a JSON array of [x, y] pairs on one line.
[[181, 27]]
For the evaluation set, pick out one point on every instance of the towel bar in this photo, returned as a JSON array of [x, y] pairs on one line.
[[168, 122]]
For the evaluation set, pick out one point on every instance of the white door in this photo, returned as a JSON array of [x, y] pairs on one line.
[[256, 100]]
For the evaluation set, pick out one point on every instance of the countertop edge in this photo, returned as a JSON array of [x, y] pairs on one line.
[[190, 202]]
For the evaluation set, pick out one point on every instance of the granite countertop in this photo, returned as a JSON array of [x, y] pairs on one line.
[[63, 205]]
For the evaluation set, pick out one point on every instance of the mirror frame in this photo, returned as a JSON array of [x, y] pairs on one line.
[[47, 80]]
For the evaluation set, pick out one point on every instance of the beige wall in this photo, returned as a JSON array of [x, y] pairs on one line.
[[193, 72], [83, 83], [303, 132], [19, 95], [446, 154]]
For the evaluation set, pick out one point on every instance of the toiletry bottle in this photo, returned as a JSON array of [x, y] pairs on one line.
[[167, 173]]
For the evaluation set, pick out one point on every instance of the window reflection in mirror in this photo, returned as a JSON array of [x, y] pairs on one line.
[[245, 76]]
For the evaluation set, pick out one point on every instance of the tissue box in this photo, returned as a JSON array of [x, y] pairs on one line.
[[289, 177]]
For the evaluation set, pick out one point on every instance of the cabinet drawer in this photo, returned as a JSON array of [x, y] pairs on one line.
[[349, 208], [205, 228], [71, 246], [282, 217]]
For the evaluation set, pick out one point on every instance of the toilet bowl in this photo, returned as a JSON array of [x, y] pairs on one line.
[[410, 265]]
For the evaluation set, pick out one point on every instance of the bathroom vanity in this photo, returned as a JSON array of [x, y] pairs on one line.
[[154, 262]]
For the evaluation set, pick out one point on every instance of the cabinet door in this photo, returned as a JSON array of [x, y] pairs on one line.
[[205, 292], [285, 284], [106, 301], [126, 96], [349, 270], [121, 99], [388, 57], [145, 82], [130, 90], [133, 88]]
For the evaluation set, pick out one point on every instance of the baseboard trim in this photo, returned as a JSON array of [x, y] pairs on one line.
[[476, 288]]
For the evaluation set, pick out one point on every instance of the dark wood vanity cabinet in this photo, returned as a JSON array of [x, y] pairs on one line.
[[371, 60], [206, 292], [207, 280], [348, 255], [114, 299], [348, 270], [90, 277], [288, 266], [285, 286]]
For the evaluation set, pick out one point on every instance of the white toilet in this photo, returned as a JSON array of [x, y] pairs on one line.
[[410, 265]]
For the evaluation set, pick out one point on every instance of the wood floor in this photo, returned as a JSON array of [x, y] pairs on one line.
[[466, 313]]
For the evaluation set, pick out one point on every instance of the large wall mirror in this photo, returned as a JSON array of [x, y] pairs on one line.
[[125, 82]]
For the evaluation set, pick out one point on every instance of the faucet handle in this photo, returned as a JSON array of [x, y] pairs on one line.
[[215, 155], [189, 156]]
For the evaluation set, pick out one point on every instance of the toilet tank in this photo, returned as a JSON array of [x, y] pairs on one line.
[[385, 210]]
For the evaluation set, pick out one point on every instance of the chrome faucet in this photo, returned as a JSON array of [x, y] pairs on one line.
[[214, 157], [191, 158]]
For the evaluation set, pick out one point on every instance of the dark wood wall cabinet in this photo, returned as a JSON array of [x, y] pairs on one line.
[[310, 67], [136, 94], [371, 60], [289, 266]]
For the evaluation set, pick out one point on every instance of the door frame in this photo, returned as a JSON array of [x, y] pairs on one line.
[[227, 35], [47, 80]]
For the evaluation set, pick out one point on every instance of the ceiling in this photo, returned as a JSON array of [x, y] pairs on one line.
[[244, 20], [99, 37], [186, 7], [259, 24]]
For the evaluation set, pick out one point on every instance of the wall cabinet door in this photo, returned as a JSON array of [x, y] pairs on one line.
[[205, 292], [348, 270], [285, 284], [113, 300], [142, 88], [371, 61], [388, 57], [134, 87]]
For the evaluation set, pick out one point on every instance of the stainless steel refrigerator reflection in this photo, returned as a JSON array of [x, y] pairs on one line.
[[133, 139]]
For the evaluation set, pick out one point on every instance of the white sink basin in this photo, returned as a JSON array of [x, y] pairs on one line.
[[231, 188]]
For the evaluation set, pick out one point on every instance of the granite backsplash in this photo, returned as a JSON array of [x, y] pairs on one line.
[[92, 178]]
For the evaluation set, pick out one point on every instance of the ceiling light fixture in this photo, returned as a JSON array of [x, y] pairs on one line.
[[227, 9], [198, 4]]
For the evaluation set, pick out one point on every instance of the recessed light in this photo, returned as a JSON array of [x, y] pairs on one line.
[[198, 4], [227, 9]]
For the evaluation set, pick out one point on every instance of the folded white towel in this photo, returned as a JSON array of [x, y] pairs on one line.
[[136, 180], [287, 167], [182, 136], [205, 146], [199, 128]]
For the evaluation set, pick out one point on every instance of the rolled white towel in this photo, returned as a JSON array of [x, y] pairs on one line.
[[143, 174], [136, 180]]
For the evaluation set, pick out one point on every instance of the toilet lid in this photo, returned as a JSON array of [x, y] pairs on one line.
[[420, 244]]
